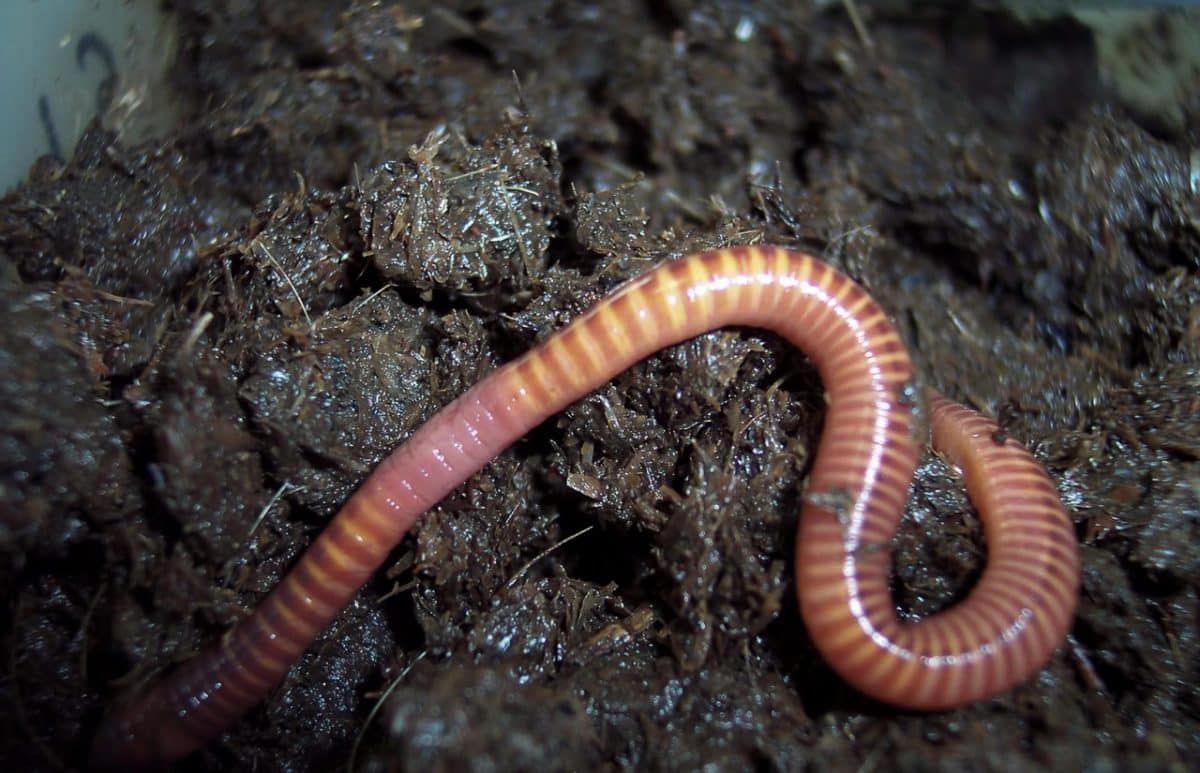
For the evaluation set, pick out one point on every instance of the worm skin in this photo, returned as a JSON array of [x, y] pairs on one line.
[[1001, 634]]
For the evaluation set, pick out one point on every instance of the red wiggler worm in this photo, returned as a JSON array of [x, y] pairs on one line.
[[1012, 621]]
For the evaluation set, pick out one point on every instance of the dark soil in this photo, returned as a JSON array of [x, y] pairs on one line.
[[209, 340]]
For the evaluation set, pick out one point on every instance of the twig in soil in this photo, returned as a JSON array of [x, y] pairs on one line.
[[383, 696], [198, 328], [529, 564], [396, 589], [107, 296], [511, 211], [359, 306], [274, 263], [481, 170], [520, 189], [22, 717], [84, 625], [1086, 670], [861, 29], [284, 489], [871, 762]]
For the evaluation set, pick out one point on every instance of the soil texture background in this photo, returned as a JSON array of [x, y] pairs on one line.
[[208, 340]]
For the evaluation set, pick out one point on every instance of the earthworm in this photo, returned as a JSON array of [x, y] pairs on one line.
[[1004, 631]]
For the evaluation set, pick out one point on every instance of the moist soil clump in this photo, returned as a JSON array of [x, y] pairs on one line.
[[208, 341]]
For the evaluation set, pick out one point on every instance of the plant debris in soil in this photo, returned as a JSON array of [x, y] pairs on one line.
[[210, 339]]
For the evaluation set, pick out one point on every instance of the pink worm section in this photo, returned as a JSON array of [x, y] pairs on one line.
[[1001, 634]]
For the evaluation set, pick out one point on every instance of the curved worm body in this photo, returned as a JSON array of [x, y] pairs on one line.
[[1002, 633]]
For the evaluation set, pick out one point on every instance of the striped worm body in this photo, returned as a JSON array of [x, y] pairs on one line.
[[1002, 633]]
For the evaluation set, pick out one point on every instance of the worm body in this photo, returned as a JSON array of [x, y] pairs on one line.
[[1002, 633]]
